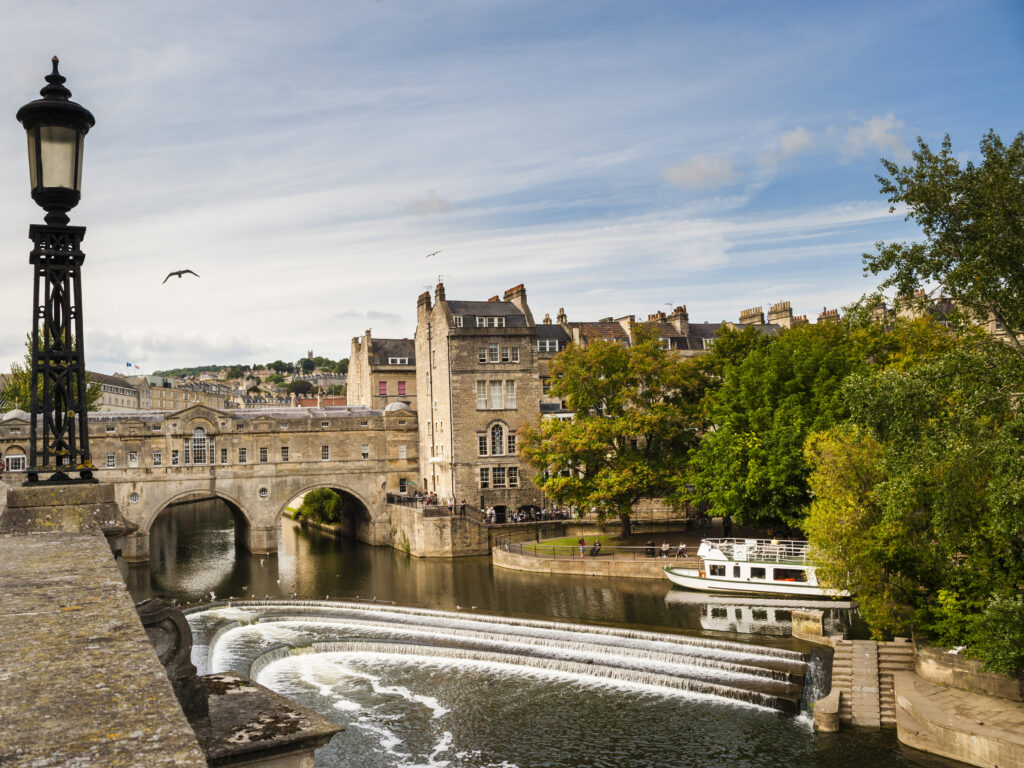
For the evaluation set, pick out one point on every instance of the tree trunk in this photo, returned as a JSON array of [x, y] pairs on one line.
[[627, 526]]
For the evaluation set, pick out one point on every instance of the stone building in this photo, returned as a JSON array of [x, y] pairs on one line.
[[478, 383], [117, 394], [381, 372], [258, 461], [162, 393]]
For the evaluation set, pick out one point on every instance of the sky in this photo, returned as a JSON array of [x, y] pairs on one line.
[[615, 157]]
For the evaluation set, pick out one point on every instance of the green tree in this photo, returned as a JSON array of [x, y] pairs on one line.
[[300, 387], [275, 378], [769, 396], [16, 390], [234, 372], [321, 505], [972, 219], [635, 421], [307, 365], [932, 463]]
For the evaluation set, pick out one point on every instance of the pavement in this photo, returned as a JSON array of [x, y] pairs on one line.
[[981, 730]]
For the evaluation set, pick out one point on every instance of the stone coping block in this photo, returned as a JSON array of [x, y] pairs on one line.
[[970, 727], [80, 682], [252, 724], [65, 508]]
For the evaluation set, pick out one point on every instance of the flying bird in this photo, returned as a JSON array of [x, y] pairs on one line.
[[179, 273], [432, 254]]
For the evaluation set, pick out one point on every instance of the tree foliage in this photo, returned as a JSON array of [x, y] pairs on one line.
[[635, 420], [322, 505], [972, 219], [932, 463], [769, 395], [300, 387], [16, 390]]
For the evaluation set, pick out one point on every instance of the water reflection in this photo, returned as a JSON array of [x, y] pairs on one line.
[[194, 555]]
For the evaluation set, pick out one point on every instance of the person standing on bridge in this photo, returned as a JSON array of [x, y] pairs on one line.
[[462, 508]]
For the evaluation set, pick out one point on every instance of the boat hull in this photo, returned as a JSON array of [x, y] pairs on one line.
[[690, 578]]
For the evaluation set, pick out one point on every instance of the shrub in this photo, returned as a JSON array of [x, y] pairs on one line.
[[321, 505]]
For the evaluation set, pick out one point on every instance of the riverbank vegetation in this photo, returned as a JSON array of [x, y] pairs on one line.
[[891, 437], [321, 505]]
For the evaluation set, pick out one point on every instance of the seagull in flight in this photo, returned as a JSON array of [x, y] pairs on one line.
[[432, 254], [179, 273]]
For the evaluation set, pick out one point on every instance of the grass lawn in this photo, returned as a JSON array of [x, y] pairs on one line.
[[606, 539]]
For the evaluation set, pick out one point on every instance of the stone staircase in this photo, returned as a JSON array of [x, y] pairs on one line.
[[897, 656], [862, 671]]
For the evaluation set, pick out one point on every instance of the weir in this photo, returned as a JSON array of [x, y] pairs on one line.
[[238, 638]]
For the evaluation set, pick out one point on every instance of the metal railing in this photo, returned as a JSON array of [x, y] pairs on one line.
[[761, 550]]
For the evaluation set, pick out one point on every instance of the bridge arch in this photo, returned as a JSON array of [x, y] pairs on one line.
[[194, 494], [357, 512]]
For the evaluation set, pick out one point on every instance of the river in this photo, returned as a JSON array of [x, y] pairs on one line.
[[465, 707]]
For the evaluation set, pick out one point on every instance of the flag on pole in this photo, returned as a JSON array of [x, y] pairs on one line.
[[128, 365]]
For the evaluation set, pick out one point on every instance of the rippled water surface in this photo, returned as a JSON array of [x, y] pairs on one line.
[[456, 702]]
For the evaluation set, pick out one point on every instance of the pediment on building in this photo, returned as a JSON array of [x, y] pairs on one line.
[[201, 412], [15, 417]]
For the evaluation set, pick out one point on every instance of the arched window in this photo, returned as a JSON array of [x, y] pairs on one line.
[[497, 440], [198, 445]]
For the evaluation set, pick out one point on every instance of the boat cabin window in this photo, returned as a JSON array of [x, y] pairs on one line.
[[757, 573], [783, 617], [790, 574], [719, 613], [735, 571], [718, 570], [759, 614]]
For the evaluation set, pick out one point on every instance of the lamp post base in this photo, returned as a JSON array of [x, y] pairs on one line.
[[60, 478]]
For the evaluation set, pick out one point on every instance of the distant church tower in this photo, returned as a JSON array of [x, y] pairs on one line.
[[309, 355]]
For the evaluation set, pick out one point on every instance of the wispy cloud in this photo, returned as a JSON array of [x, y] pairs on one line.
[[304, 158], [789, 143], [876, 134], [701, 172], [431, 203]]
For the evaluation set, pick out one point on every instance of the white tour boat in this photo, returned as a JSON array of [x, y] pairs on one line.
[[753, 566]]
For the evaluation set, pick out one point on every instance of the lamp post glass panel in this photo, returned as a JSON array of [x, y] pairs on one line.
[[56, 128]]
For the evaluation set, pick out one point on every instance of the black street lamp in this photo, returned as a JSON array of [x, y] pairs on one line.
[[56, 128]]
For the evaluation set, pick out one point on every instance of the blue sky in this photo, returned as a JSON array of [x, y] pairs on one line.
[[615, 157]]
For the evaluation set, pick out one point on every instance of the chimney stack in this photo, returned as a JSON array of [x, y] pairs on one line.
[[752, 316], [781, 314]]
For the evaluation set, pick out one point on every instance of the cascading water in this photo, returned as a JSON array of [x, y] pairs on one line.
[[818, 677], [401, 678]]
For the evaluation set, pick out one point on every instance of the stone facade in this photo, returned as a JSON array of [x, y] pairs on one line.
[[258, 461], [117, 394], [161, 393], [478, 383], [382, 372]]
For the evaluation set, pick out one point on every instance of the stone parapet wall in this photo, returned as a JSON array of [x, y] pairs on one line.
[[938, 665], [82, 685], [445, 536], [581, 566]]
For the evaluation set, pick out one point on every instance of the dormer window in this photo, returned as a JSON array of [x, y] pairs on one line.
[[398, 361], [490, 322], [458, 320]]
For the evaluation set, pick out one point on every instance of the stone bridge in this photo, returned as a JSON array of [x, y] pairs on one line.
[[256, 460]]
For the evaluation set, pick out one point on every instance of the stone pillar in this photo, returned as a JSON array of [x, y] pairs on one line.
[[136, 548], [260, 541]]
